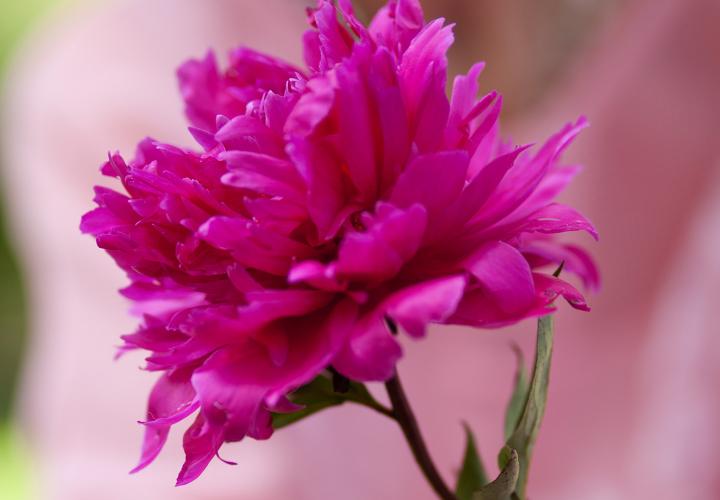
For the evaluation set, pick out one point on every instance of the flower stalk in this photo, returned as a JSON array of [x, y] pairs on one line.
[[405, 417]]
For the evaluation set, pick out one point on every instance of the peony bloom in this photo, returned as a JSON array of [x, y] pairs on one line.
[[324, 202]]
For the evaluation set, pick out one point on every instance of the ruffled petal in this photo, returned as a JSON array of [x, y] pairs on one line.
[[328, 188], [550, 288], [504, 276], [397, 23], [392, 237], [171, 400], [208, 93], [335, 42], [433, 180], [371, 351], [576, 260], [434, 301], [423, 75], [201, 443], [523, 180], [355, 123], [464, 94], [554, 218]]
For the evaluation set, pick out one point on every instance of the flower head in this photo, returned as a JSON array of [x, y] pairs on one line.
[[323, 203]]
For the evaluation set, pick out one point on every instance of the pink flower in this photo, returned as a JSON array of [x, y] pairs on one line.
[[323, 204]]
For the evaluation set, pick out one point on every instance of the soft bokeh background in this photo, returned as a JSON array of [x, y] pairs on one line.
[[16, 19], [634, 398]]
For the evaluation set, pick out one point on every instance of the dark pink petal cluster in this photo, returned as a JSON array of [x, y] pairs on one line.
[[324, 202]]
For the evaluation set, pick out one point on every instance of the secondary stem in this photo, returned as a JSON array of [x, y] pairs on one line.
[[408, 423]]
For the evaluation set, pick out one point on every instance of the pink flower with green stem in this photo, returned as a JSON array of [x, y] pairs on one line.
[[328, 210]]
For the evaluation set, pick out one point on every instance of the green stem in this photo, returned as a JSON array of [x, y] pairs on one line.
[[523, 438], [405, 417]]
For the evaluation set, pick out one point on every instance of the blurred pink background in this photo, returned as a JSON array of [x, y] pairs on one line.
[[634, 399]]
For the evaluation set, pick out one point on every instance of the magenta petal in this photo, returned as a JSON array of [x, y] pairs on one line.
[[434, 180], [153, 443], [284, 405], [348, 12], [397, 23], [261, 429], [335, 41], [217, 382], [552, 185], [313, 107], [161, 300], [314, 343], [504, 275], [575, 260], [550, 288], [524, 179], [235, 383], [423, 75], [242, 280], [487, 123], [371, 351], [203, 138], [367, 257], [208, 93], [268, 305], [199, 85], [557, 218], [101, 220], [317, 275], [272, 167], [427, 51], [312, 53], [171, 400], [181, 414], [432, 112], [249, 133], [479, 190], [201, 443], [434, 301], [390, 240], [327, 190], [465, 90], [226, 233], [479, 310], [392, 119], [154, 338], [356, 129]]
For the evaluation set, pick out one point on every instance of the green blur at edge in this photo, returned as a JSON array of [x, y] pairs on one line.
[[16, 482]]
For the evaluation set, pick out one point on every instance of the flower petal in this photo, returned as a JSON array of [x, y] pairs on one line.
[[201, 443], [434, 180], [541, 252], [371, 352], [171, 400], [556, 218], [391, 239], [504, 275], [397, 23], [413, 308]]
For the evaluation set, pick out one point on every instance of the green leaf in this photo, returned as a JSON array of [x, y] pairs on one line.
[[314, 397], [519, 396], [320, 394], [472, 475], [525, 434], [503, 488]]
